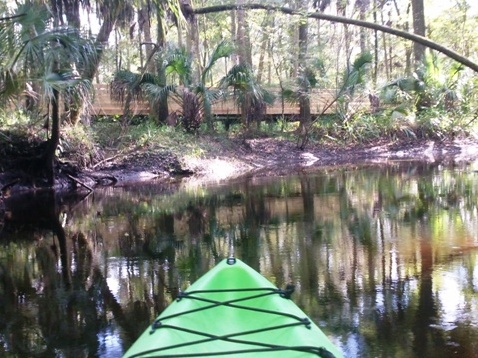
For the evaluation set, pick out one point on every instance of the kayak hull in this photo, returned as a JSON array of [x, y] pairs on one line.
[[233, 310]]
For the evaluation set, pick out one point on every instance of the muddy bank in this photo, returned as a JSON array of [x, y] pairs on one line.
[[271, 157], [259, 157]]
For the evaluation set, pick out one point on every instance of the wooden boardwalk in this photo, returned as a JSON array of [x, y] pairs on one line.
[[103, 105]]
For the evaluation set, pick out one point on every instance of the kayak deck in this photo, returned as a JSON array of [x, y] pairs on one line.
[[233, 310]]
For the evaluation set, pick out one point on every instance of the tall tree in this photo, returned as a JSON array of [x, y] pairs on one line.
[[304, 84], [375, 43], [242, 36], [192, 40], [266, 26], [418, 12], [68, 9], [144, 28], [244, 63], [363, 7]]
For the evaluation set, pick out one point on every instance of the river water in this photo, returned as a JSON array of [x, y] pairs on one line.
[[384, 259]]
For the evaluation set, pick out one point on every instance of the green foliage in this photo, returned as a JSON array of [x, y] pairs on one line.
[[432, 85], [353, 78], [36, 59], [178, 63], [250, 96], [240, 78], [223, 50], [194, 97], [311, 77], [398, 123], [77, 145], [355, 74], [126, 83], [15, 119], [358, 129], [156, 138], [42, 59]]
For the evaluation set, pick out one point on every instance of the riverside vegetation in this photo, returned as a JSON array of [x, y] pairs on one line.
[[107, 152], [423, 108]]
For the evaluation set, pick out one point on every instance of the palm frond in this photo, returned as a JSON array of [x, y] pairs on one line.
[[224, 49], [362, 60], [307, 79], [354, 75], [239, 77], [268, 96], [37, 60], [10, 86], [81, 92], [247, 91], [215, 95], [149, 78], [125, 82], [192, 111], [155, 93], [290, 96], [178, 62], [33, 20]]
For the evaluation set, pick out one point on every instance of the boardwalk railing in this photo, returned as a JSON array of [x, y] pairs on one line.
[[321, 101]]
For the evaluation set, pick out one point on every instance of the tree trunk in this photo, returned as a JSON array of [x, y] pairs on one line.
[[234, 57], [304, 97], [145, 28], [363, 6], [241, 34], [72, 12], [194, 35], [162, 109], [304, 87], [375, 45], [408, 49], [418, 12], [247, 42], [266, 25], [341, 11], [294, 39], [243, 60], [54, 139], [385, 51]]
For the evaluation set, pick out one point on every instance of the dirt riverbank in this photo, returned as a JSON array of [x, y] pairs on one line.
[[271, 156], [259, 157]]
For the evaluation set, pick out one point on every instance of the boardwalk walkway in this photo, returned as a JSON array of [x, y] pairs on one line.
[[103, 105]]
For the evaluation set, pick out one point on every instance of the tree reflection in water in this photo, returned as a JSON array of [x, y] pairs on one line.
[[385, 260]]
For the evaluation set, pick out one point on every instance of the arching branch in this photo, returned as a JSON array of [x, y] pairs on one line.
[[344, 20], [13, 17]]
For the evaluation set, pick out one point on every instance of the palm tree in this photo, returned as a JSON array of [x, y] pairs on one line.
[[194, 98], [251, 97], [44, 63]]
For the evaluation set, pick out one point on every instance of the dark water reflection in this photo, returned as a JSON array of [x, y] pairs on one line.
[[384, 260]]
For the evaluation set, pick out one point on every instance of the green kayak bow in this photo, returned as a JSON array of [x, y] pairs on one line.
[[233, 311]]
